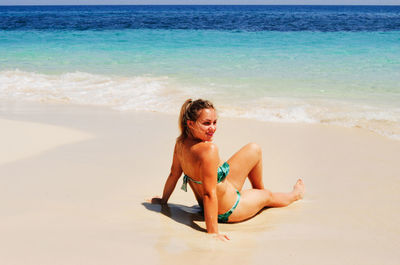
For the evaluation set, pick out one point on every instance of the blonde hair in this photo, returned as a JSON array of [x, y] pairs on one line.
[[190, 112]]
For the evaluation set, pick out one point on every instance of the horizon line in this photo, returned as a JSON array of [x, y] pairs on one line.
[[202, 5]]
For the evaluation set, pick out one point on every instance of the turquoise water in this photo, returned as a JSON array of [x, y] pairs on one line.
[[350, 78], [336, 64]]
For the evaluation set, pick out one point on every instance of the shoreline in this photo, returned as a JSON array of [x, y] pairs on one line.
[[163, 93], [83, 198]]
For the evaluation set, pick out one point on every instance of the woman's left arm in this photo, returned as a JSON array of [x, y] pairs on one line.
[[173, 177]]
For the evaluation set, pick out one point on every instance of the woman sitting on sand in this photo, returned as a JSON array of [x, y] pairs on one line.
[[217, 185]]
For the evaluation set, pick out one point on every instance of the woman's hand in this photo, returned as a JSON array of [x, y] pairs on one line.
[[221, 237], [156, 200]]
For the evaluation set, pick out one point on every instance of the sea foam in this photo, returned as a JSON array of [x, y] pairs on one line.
[[122, 93], [164, 94]]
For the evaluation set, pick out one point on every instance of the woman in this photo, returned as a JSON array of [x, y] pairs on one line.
[[217, 185]]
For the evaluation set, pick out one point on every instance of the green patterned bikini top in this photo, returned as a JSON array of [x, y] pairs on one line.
[[221, 175]]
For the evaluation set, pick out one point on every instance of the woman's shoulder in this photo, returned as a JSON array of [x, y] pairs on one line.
[[205, 149]]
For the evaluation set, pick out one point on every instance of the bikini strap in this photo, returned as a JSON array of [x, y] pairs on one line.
[[186, 179], [184, 184]]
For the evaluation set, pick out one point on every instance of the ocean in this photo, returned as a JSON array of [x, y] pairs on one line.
[[299, 64]]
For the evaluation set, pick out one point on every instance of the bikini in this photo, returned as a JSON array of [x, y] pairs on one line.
[[221, 175]]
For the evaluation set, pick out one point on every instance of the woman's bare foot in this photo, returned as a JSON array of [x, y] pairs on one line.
[[299, 189]]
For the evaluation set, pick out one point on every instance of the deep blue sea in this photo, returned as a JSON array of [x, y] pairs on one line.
[[315, 64]]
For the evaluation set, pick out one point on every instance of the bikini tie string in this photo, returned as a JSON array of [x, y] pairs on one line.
[[184, 184]]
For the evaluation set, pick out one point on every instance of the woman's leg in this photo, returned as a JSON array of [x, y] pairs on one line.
[[253, 200], [247, 162]]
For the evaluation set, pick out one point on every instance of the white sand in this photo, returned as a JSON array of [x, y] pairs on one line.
[[20, 140], [74, 181]]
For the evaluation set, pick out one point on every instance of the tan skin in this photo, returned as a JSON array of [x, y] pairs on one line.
[[198, 157]]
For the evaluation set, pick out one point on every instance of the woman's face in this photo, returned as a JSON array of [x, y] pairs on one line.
[[205, 126]]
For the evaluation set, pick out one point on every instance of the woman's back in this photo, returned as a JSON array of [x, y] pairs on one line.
[[191, 155]]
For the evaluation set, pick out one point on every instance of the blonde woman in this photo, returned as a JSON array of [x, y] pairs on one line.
[[217, 185]]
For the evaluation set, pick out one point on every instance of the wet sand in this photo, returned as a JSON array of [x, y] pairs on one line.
[[74, 183]]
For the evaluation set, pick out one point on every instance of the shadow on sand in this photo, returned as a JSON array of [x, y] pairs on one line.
[[179, 213]]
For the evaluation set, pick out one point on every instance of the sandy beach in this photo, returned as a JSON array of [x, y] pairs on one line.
[[74, 184]]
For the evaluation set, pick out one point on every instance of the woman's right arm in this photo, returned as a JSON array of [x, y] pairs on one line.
[[209, 160], [173, 177]]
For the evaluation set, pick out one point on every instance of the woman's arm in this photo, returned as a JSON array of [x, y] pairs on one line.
[[173, 177], [209, 160]]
